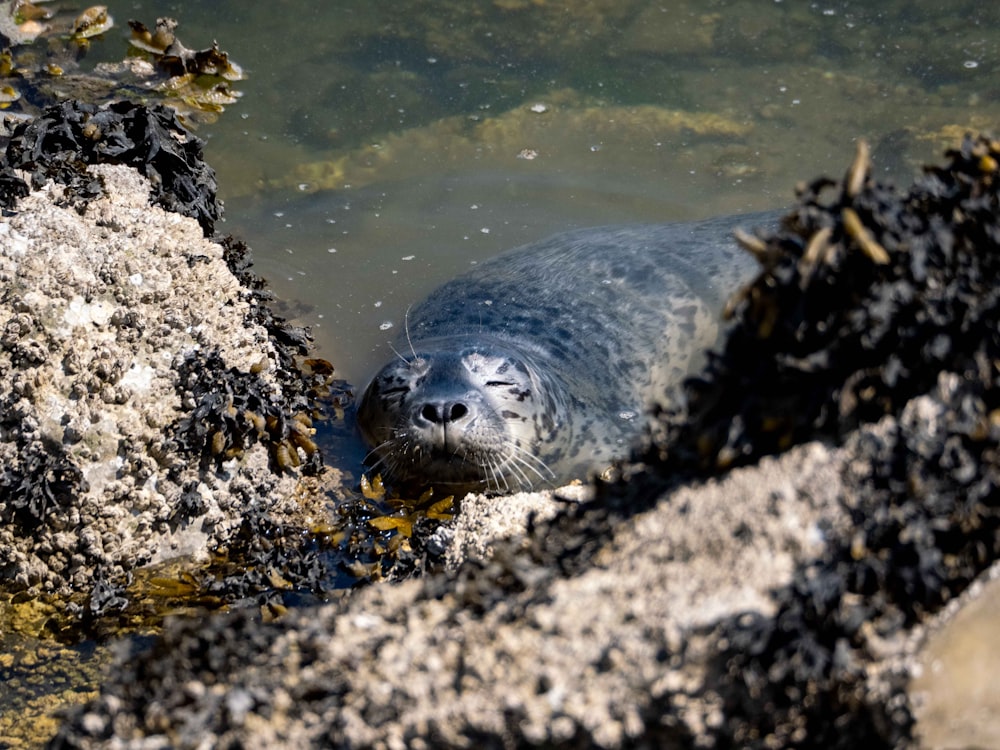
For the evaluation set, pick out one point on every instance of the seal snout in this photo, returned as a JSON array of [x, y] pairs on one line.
[[444, 423], [464, 417]]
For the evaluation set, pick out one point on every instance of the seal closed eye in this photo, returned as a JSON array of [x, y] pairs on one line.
[[535, 367]]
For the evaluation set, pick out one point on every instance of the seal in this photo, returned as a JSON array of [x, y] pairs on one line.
[[539, 365]]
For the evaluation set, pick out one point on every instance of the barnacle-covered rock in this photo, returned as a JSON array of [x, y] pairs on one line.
[[126, 344], [865, 297]]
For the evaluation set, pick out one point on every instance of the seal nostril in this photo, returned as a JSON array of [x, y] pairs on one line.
[[439, 413]]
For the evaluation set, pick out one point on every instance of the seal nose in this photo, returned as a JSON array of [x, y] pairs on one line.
[[443, 412]]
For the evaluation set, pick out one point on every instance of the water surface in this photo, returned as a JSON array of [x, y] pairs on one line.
[[379, 148]]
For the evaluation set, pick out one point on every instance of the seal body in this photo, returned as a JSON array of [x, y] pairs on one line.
[[539, 365]]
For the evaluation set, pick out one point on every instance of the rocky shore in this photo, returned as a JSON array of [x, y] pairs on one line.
[[781, 565], [708, 620]]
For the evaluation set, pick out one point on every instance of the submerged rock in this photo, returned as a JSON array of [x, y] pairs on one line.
[[42, 64]]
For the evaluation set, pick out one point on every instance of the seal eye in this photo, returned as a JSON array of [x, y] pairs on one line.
[[498, 383]]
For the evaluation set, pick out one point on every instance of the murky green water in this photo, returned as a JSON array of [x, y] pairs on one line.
[[381, 147], [413, 116]]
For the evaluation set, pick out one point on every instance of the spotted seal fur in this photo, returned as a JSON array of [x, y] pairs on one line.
[[537, 366]]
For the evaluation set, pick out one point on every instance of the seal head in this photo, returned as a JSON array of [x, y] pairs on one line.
[[480, 417]]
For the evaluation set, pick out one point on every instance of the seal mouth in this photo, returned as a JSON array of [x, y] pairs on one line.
[[507, 469], [464, 468], [444, 444], [453, 465]]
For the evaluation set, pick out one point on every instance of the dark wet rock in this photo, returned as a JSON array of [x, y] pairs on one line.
[[866, 297], [781, 604]]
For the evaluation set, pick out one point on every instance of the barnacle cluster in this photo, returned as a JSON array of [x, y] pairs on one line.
[[310, 389], [233, 410]]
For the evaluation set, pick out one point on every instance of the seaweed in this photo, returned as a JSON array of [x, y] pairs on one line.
[[41, 478], [64, 139], [865, 297]]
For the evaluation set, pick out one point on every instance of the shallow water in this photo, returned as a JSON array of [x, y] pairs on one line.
[[379, 148], [413, 122], [355, 263]]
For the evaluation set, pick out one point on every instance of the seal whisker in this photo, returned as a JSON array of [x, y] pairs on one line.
[[402, 359], [388, 443], [514, 469], [533, 462], [382, 452], [521, 468], [406, 329], [521, 462], [519, 458], [492, 485], [381, 462], [499, 476], [491, 475]]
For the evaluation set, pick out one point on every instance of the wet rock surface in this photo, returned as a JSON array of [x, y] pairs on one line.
[[781, 605], [511, 647], [953, 686]]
